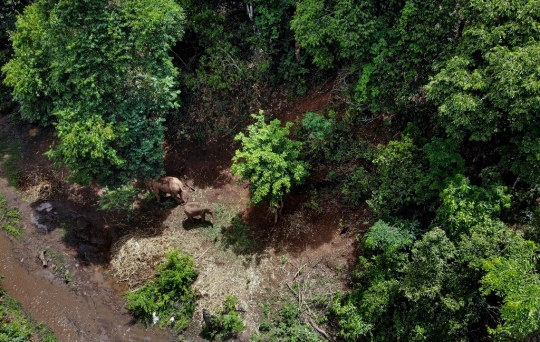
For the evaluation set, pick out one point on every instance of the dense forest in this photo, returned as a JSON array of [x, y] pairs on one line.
[[453, 180]]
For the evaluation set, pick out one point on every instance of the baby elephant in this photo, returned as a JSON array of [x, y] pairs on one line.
[[193, 209]]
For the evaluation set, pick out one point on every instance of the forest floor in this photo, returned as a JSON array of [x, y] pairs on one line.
[[98, 256]]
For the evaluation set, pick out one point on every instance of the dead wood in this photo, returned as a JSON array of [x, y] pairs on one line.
[[41, 256]]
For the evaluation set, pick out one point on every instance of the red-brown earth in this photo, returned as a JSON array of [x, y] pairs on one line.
[[315, 229]]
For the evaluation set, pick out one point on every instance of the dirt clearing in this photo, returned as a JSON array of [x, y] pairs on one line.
[[98, 256]]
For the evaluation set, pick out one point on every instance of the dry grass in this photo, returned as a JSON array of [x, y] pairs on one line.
[[136, 260], [221, 273], [41, 184], [252, 278]]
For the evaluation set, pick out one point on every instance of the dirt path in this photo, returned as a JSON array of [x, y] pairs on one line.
[[88, 311]]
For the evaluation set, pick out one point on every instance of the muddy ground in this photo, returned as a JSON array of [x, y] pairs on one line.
[[94, 257]]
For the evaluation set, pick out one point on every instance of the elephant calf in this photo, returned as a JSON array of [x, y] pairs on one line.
[[193, 209]]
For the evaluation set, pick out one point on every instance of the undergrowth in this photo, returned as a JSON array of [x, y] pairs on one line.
[[168, 300], [17, 326], [122, 198], [226, 323], [285, 325], [10, 218]]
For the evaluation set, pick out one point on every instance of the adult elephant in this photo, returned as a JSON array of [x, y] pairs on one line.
[[169, 185]]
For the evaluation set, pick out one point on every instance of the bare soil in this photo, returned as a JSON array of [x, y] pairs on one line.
[[102, 255]]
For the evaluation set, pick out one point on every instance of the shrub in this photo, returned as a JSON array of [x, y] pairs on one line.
[[358, 186], [118, 199], [168, 297], [401, 177], [319, 132]]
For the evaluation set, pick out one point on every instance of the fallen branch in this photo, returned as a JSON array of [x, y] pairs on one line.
[[301, 303], [290, 288], [319, 330], [41, 256], [298, 272]]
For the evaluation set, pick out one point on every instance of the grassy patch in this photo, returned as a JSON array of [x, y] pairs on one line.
[[230, 232], [238, 237], [167, 300], [10, 154], [232, 237], [10, 218], [16, 325]]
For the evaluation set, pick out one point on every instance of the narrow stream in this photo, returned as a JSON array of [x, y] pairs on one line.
[[91, 311]]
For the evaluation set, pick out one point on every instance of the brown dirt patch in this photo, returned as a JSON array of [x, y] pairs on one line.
[[316, 230]]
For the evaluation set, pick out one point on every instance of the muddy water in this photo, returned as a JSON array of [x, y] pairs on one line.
[[91, 311]]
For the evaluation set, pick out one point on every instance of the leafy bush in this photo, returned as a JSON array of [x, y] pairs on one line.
[[465, 206], [118, 199], [269, 160], [318, 131], [358, 185], [406, 175], [169, 296], [444, 162], [400, 177], [227, 322]]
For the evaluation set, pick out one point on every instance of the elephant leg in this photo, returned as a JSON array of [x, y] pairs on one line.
[[157, 196], [183, 196], [178, 198]]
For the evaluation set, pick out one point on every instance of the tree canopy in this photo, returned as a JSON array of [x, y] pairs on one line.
[[102, 74], [432, 124]]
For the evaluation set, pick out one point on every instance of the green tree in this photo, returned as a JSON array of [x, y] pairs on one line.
[[390, 46], [269, 160], [515, 279], [102, 74], [438, 285], [9, 10], [488, 89]]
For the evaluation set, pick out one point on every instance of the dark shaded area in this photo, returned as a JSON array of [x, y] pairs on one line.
[[87, 230], [203, 162]]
